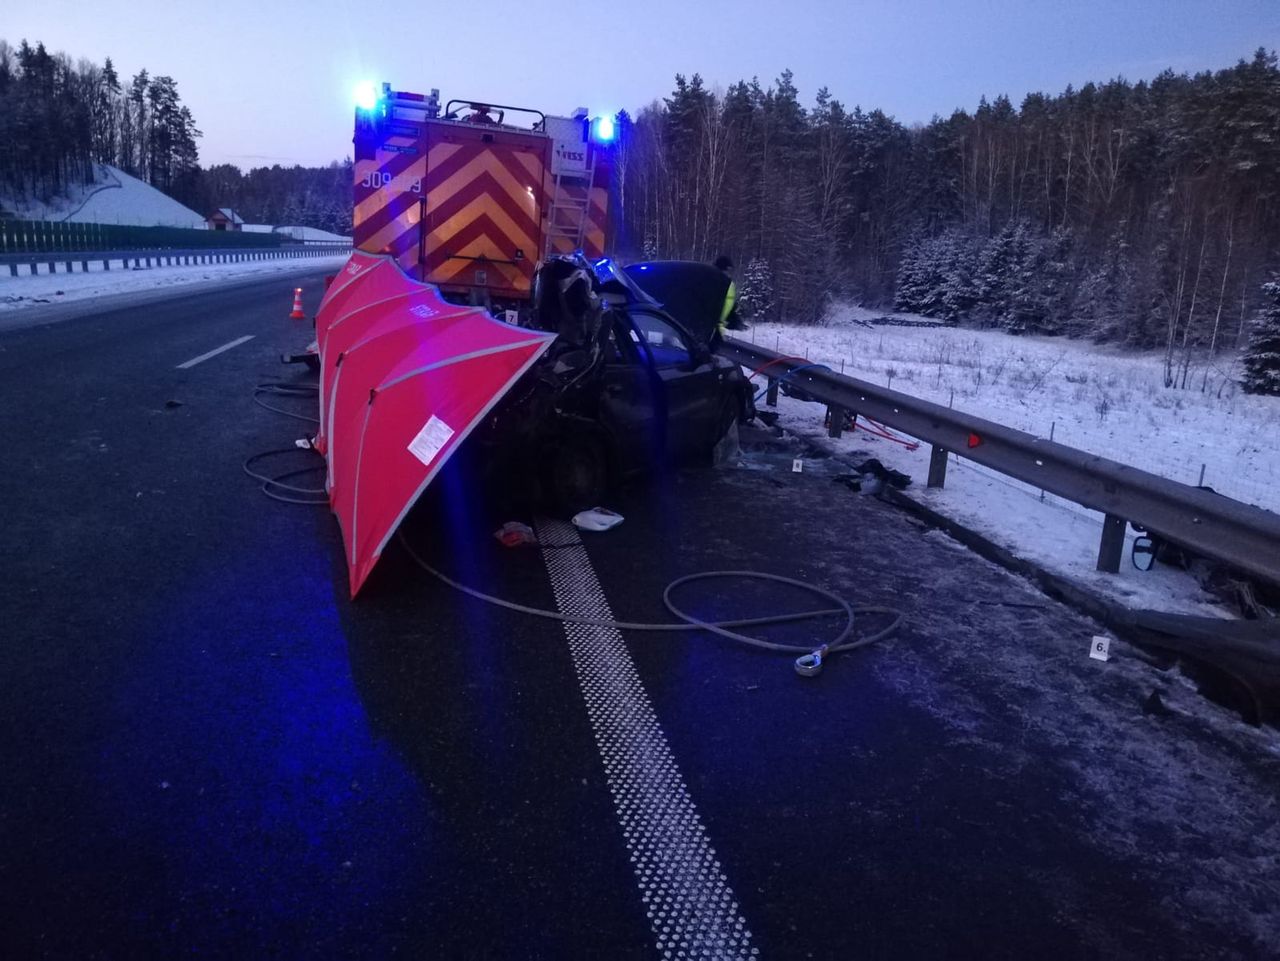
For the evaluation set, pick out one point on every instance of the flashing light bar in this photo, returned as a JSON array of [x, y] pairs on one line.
[[603, 129], [366, 95]]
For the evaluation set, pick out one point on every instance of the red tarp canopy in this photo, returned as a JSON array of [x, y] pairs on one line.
[[404, 378]]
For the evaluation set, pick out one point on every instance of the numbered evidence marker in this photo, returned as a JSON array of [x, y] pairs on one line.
[[797, 466], [1100, 648]]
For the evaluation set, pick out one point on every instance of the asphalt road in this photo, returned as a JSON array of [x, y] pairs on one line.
[[211, 752]]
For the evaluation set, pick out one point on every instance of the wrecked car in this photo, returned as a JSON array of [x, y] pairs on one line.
[[624, 389]]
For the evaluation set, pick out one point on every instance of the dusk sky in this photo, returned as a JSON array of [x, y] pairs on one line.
[[270, 81]]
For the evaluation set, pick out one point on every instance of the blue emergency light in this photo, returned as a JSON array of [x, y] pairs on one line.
[[603, 130], [366, 95]]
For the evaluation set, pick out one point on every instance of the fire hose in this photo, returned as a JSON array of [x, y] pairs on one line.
[[809, 663]]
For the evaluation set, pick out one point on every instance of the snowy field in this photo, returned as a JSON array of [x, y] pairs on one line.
[[19, 293], [1100, 400]]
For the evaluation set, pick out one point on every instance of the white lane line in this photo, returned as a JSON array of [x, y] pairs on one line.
[[215, 352], [692, 910]]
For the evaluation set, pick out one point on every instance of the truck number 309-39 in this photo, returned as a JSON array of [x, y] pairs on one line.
[[377, 179]]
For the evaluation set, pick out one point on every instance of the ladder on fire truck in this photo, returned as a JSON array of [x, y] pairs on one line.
[[569, 214]]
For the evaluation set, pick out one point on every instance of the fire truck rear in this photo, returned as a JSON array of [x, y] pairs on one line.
[[472, 197]]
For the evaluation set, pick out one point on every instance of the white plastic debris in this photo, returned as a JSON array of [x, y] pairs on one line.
[[596, 519]]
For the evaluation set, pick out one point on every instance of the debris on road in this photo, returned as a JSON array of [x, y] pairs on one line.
[[515, 534], [596, 519]]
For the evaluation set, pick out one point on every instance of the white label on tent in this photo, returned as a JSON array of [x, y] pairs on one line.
[[1100, 648], [430, 439]]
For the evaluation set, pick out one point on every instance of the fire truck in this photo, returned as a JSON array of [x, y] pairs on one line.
[[472, 196]]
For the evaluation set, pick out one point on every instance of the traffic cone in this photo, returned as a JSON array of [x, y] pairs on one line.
[[297, 305]]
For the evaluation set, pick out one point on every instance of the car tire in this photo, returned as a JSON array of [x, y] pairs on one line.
[[576, 475], [723, 447]]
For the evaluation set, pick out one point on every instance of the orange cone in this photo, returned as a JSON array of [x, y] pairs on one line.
[[297, 305]]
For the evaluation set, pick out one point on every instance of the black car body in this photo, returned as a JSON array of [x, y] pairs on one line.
[[625, 387]]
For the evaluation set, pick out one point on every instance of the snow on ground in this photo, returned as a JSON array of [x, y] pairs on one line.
[[1102, 400], [310, 235], [18, 293], [1109, 403], [114, 198]]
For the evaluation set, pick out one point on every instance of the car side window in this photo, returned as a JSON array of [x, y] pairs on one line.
[[619, 340], [665, 342]]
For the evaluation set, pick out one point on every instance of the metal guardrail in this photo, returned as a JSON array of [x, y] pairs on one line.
[[1241, 535], [161, 256]]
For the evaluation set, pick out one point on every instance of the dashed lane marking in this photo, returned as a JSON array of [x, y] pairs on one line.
[[692, 910], [215, 352]]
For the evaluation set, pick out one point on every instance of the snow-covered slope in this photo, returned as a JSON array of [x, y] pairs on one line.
[[309, 235], [114, 198], [312, 235]]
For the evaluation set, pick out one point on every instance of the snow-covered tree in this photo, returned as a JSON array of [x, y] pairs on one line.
[[957, 259], [755, 293], [1262, 359], [1103, 296], [994, 276], [1031, 297], [912, 279], [1054, 291]]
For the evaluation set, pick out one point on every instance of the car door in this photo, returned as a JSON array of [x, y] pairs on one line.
[[632, 406], [690, 384]]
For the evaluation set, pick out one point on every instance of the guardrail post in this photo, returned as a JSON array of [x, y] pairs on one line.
[[937, 466], [13, 270], [835, 427], [771, 395], [106, 263], [84, 266], [1111, 550]]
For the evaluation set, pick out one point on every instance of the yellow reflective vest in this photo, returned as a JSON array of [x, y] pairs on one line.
[[730, 298]]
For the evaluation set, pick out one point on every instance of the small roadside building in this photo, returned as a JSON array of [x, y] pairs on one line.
[[224, 218]]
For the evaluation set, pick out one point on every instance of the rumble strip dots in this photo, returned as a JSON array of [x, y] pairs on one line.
[[691, 908]]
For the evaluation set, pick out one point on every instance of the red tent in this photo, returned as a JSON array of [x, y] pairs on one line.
[[351, 303], [405, 377]]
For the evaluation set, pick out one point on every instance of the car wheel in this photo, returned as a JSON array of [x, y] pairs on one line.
[[725, 446], [577, 475]]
